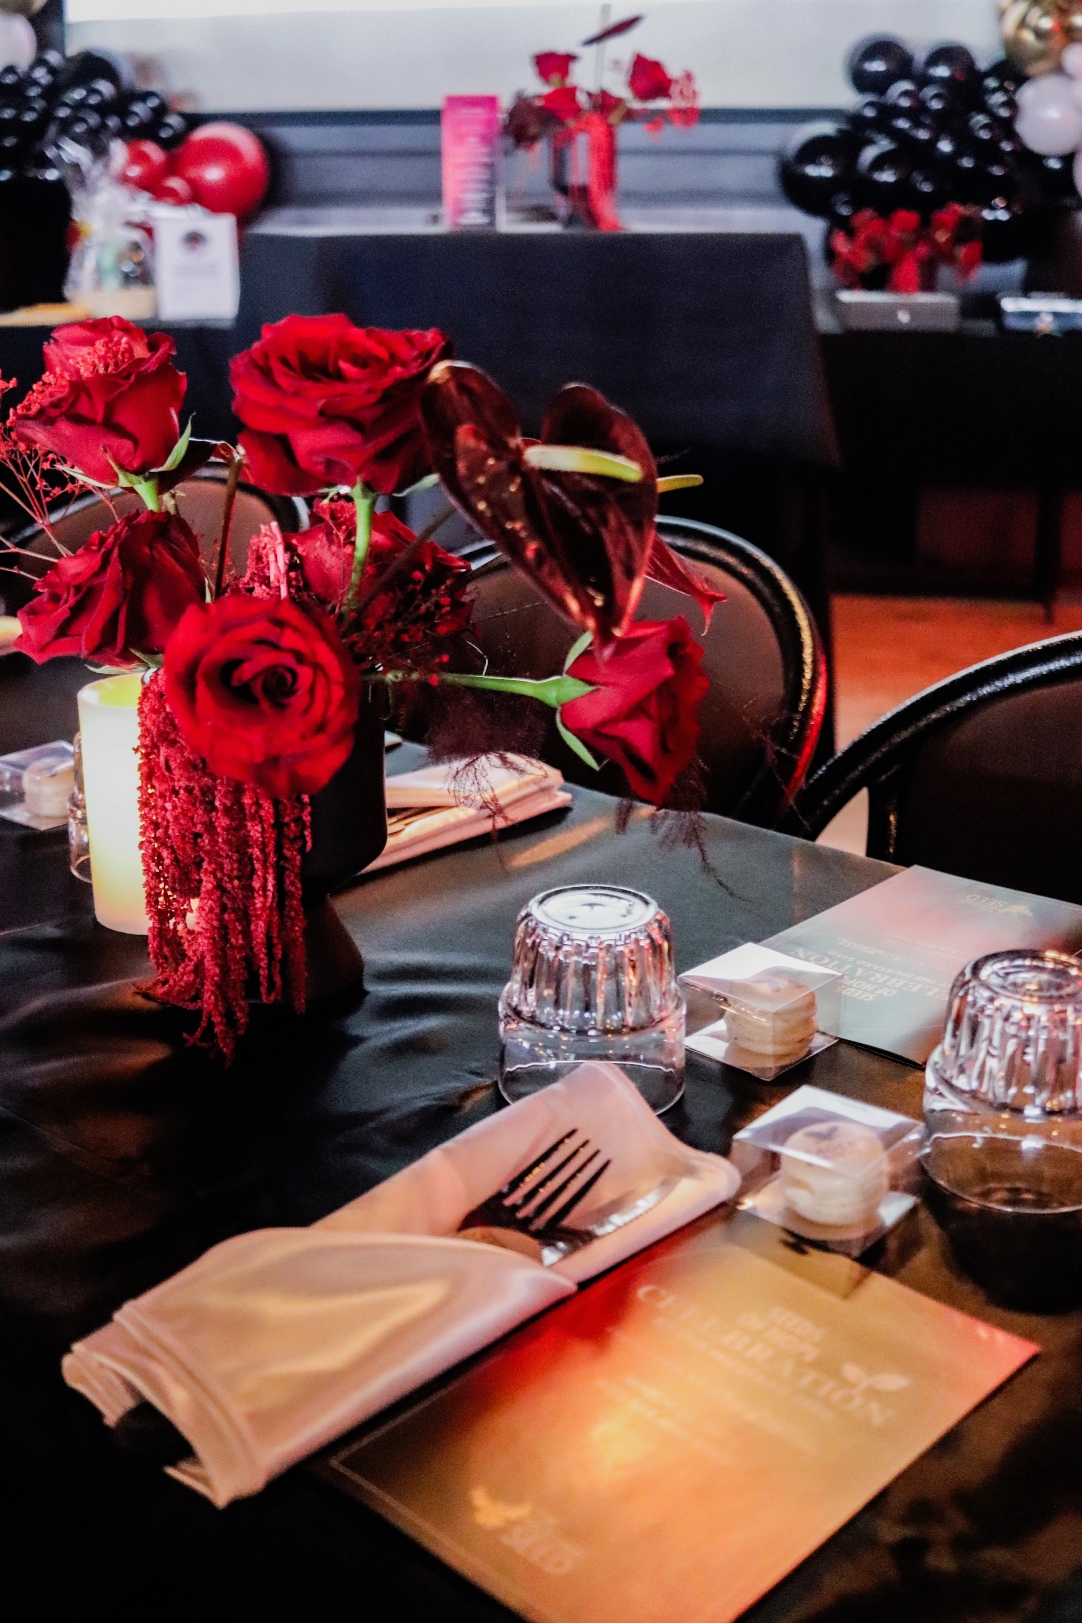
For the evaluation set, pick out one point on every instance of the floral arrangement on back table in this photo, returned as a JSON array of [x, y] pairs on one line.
[[254, 683]]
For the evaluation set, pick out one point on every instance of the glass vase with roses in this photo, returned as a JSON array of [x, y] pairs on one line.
[[257, 687]]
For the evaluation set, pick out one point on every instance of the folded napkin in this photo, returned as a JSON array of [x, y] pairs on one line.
[[455, 800], [276, 1342]]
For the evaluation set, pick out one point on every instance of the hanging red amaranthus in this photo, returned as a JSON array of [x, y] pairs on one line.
[[222, 872]]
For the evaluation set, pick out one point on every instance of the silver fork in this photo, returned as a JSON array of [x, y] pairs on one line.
[[529, 1213]]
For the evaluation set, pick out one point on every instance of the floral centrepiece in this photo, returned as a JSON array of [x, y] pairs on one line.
[[253, 684], [903, 252], [571, 116]]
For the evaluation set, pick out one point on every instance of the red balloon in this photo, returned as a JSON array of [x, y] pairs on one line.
[[226, 167], [173, 189], [145, 167]]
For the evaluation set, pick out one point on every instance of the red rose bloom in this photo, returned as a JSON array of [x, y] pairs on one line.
[[643, 712], [120, 595], [327, 403], [562, 103], [110, 398], [264, 691], [648, 80], [553, 66]]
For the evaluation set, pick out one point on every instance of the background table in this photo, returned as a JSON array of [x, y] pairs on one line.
[[122, 1158]]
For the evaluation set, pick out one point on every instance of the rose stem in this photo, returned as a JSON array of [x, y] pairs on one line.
[[231, 480], [364, 500], [403, 560]]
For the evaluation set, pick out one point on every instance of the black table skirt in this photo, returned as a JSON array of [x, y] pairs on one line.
[[122, 1157]]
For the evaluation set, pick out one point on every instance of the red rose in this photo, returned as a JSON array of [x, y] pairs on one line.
[[553, 66], [562, 104], [648, 80], [327, 403], [120, 595], [110, 398], [264, 691], [643, 712]]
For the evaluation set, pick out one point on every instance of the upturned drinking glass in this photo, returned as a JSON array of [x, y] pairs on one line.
[[592, 978], [1011, 1056]]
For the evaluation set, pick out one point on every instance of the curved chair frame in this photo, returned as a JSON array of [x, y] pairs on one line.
[[882, 759], [791, 743]]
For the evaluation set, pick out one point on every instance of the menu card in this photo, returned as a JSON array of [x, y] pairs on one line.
[[675, 1439], [900, 945]]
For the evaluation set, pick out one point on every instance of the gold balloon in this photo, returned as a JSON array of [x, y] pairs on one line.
[[1034, 35], [21, 8], [1072, 22]]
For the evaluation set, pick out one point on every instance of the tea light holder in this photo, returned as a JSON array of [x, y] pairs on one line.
[[109, 730]]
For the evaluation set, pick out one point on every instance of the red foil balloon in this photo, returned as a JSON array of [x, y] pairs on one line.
[[145, 167], [226, 167]]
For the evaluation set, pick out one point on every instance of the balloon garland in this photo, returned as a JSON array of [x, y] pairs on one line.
[[938, 130]]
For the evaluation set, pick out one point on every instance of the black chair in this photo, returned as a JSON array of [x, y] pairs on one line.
[[761, 717], [980, 775]]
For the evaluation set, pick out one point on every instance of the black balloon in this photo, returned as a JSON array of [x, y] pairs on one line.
[[903, 94], [1006, 232], [883, 172], [154, 100], [950, 65], [1046, 182], [170, 131], [815, 165], [982, 130], [876, 63], [870, 115], [843, 205], [10, 77], [938, 100], [1001, 104], [915, 133], [931, 189], [86, 66], [137, 119], [1003, 74]]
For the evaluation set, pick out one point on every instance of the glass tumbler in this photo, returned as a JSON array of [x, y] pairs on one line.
[[592, 978], [1011, 1057]]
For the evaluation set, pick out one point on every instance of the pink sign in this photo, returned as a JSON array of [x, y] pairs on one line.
[[470, 148]]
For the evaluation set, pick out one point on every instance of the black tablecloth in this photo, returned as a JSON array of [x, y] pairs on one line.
[[122, 1157]]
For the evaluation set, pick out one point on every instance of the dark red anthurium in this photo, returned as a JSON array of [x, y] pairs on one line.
[[582, 539]]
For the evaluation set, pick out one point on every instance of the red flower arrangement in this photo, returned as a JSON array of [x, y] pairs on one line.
[[564, 112], [902, 252], [253, 684]]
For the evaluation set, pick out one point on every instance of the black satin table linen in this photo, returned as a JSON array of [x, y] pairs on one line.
[[123, 1155]]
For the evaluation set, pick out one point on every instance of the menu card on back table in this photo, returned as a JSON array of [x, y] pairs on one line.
[[901, 943], [673, 1441]]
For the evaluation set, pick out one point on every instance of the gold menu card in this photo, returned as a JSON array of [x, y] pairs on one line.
[[672, 1441]]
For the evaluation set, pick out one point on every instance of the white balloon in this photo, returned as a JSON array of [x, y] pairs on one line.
[[1048, 120], [1077, 171], [1071, 61], [18, 43]]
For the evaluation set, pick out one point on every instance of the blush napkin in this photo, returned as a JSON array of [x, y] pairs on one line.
[[276, 1342]]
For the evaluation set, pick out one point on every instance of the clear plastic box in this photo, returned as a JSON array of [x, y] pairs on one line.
[[776, 1010], [51, 770], [833, 1170]]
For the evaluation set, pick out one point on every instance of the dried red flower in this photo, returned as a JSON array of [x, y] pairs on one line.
[[264, 691], [554, 67], [647, 80], [122, 594], [327, 403], [110, 398], [643, 711]]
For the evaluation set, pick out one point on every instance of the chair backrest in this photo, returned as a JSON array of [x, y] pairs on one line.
[[761, 717], [199, 500], [980, 775]]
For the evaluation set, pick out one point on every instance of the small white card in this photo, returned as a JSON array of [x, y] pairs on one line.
[[196, 265]]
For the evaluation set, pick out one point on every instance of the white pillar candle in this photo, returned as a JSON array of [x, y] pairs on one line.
[[109, 726]]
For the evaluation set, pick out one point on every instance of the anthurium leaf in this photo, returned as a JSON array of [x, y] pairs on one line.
[[575, 744], [678, 481], [580, 459], [177, 453]]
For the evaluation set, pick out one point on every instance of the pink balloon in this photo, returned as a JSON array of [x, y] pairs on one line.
[[1049, 119]]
